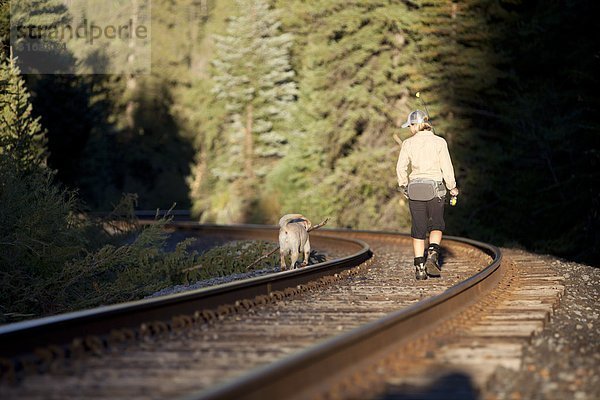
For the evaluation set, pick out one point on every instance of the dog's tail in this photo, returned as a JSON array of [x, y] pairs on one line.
[[288, 218]]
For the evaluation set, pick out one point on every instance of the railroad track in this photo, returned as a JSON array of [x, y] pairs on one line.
[[337, 330]]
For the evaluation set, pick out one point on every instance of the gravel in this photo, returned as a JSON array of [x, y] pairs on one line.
[[563, 362], [214, 281]]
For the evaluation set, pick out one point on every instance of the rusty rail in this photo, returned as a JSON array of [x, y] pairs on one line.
[[21, 339]]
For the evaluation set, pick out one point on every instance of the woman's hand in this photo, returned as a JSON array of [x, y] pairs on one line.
[[454, 192], [403, 190]]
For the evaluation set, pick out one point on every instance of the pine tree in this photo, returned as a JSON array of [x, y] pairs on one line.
[[42, 14], [199, 114], [459, 64], [4, 28], [253, 78], [21, 134]]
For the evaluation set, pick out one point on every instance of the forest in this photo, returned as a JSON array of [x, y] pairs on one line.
[[251, 109]]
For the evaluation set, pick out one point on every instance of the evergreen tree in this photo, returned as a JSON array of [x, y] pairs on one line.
[[39, 50], [459, 63], [21, 134], [4, 28], [497, 89], [254, 80], [456, 63], [199, 113], [125, 57], [35, 215]]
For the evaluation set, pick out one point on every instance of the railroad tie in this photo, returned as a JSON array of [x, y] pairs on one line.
[[489, 335]]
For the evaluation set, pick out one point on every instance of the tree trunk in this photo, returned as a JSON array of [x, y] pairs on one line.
[[249, 143], [131, 83]]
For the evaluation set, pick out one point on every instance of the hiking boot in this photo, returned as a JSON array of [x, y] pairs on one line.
[[420, 271], [432, 264]]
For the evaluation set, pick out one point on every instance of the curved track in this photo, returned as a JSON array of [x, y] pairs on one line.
[[299, 328], [19, 339]]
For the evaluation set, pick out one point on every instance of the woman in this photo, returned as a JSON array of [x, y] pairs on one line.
[[428, 158]]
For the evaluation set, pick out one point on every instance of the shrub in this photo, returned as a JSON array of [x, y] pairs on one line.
[[38, 235], [116, 274], [231, 258]]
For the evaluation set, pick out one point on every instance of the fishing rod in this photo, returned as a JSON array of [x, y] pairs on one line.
[[418, 96], [453, 199]]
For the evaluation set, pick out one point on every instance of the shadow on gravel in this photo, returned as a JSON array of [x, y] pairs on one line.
[[452, 386]]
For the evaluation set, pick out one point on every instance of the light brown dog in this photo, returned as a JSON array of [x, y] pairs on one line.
[[293, 239]]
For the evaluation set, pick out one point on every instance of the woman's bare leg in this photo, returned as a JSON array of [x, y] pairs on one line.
[[419, 247], [435, 237]]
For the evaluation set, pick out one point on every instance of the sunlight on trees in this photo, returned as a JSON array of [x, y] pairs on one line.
[[253, 80], [241, 123], [21, 134]]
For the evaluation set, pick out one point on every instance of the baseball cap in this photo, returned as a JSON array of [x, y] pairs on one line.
[[415, 117]]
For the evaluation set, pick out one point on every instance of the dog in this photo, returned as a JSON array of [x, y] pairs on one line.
[[293, 239]]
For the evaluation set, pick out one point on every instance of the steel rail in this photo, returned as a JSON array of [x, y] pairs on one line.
[[306, 374], [22, 338]]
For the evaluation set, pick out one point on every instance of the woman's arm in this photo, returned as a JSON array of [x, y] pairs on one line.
[[402, 165], [446, 166]]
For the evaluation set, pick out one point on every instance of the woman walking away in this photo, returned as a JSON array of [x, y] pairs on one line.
[[431, 167]]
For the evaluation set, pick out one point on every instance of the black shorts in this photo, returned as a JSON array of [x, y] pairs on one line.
[[426, 216]]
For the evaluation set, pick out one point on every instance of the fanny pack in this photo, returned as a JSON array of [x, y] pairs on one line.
[[425, 189]]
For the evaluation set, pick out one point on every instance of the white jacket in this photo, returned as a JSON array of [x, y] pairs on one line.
[[428, 156]]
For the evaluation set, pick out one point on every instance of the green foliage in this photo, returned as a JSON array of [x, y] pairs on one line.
[[490, 75], [54, 258], [21, 133], [43, 14], [116, 274], [51, 251], [252, 69], [231, 258], [4, 28], [39, 233], [109, 134], [518, 115], [102, 161], [127, 56], [46, 16], [253, 80]]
